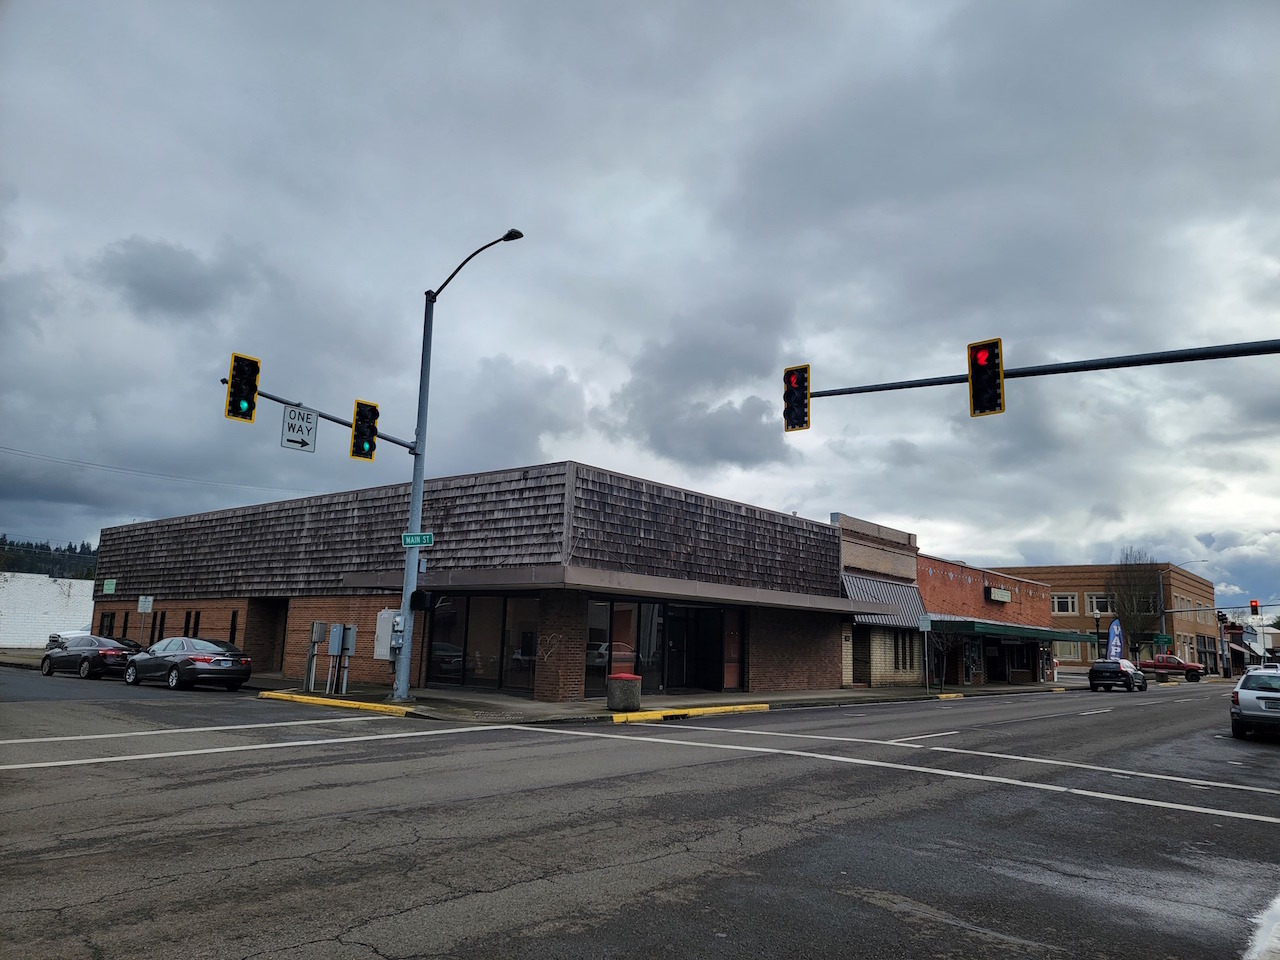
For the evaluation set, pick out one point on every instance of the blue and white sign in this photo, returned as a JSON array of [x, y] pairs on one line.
[[1115, 641]]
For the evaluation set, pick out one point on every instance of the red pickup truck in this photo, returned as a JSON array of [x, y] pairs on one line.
[[1168, 663]]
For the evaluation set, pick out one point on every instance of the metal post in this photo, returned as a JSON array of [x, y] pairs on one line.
[[400, 691], [1097, 633]]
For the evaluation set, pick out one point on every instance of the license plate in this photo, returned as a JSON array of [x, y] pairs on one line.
[[222, 663], [1271, 704]]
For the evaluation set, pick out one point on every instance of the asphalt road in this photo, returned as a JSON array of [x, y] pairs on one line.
[[149, 823]]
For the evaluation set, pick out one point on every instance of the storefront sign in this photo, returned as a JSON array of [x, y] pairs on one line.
[[999, 594]]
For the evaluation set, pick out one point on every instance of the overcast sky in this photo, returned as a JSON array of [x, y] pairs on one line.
[[709, 191]]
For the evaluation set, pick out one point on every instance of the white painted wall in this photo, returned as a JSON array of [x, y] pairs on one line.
[[34, 605]]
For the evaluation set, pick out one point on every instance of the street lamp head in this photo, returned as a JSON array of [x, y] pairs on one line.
[[512, 234], [1097, 615]]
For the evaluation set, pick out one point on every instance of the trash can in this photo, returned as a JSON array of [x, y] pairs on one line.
[[623, 691]]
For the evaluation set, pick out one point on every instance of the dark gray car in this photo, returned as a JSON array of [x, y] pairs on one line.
[[183, 661], [88, 656]]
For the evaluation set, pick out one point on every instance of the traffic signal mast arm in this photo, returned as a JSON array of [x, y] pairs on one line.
[[332, 419], [1255, 349]]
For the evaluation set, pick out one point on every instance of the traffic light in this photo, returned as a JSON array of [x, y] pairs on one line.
[[1253, 608], [795, 398], [364, 430], [986, 378], [242, 387]]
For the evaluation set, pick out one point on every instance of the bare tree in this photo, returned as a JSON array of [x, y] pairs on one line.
[[1137, 595], [941, 643]]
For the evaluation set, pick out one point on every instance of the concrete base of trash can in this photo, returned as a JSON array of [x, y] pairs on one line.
[[623, 692]]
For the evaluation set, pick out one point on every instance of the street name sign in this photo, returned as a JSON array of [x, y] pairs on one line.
[[298, 429], [417, 539]]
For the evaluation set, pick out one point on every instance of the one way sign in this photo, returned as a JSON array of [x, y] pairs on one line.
[[298, 431]]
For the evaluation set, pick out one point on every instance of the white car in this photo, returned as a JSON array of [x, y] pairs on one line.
[[1264, 666], [1255, 703], [55, 639]]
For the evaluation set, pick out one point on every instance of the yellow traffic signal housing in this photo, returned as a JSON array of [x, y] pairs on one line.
[[242, 387], [364, 430], [795, 398], [986, 378]]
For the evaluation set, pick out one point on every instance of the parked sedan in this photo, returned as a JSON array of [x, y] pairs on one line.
[[183, 661], [1255, 703], [1116, 673], [88, 656]]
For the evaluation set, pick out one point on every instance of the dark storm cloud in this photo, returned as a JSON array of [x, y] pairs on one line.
[[673, 403], [159, 279]]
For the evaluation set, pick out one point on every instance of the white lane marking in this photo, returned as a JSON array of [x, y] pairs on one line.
[[245, 748], [926, 736], [1187, 700], [156, 733], [1090, 713], [997, 756], [911, 768], [1042, 716]]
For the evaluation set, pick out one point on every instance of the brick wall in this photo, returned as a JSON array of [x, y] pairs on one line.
[[956, 589], [790, 650], [360, 612], [214, 619], [33, 605], [562, 646]]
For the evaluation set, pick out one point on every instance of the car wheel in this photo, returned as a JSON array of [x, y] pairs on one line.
[[174, 681], [131, 674], [86, 670], [1106, 687], [1128, 686], [1093, 687], [1193, 677], [1238, 730], [232, 687], [46, 667]]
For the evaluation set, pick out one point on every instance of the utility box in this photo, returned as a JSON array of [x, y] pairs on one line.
[[382, 638]]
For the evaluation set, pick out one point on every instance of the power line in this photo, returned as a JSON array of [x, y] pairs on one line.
[[146, 473]]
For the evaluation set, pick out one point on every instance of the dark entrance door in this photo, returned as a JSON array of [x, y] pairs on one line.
[[677, 646]]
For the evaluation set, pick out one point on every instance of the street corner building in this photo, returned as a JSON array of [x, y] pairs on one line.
[[541, 581]]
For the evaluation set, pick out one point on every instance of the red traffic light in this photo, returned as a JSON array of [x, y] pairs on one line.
[[981, 356], [1253, 608]]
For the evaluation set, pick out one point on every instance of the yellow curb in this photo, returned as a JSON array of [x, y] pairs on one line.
[[328, 702], [951, 696], [646, 715], [1059, 690], [1166, 683]]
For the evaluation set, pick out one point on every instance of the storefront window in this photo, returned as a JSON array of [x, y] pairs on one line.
[[732, 649], [623, 653], [649, 648], [521, 643], [484, 641], [597, 648], [448, 633]]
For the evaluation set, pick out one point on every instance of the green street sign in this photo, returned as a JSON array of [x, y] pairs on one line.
[[417, 539], [1162, 640]]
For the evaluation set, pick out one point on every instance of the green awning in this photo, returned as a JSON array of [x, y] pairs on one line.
[[986, 628]]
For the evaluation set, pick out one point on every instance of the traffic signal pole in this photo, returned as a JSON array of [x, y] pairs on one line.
[[1255, 349], [332, 419]]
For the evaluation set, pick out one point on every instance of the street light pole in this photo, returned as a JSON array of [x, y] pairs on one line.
[[400, 691], [1097, 631]]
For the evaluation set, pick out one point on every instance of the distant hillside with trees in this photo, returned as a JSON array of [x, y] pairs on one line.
[[25, 556]]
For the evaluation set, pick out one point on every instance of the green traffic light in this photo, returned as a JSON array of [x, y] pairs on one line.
[[244, 406], [366, 446]]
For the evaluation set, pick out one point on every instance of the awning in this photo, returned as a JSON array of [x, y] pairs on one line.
[[945, 623], [1239, 649], [904, 596]]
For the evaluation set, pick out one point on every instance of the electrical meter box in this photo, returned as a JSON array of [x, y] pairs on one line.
[[382, 638]]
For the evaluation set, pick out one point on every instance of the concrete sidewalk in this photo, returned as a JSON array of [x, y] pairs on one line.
[[456, 704]]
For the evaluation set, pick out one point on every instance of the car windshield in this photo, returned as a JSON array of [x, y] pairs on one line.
[[1261, 681], [106, 643]]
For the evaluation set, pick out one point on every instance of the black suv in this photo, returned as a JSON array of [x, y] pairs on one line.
[[1115, 673]]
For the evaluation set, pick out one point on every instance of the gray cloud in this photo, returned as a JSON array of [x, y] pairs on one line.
[[162, 280]]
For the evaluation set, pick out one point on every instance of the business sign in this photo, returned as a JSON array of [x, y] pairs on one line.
[[1115, 641], [144, 604], [108, 586], [999, 594]]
